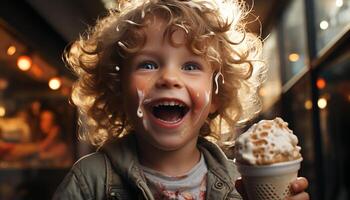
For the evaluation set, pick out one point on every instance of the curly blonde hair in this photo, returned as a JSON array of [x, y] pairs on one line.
[[214, 29]]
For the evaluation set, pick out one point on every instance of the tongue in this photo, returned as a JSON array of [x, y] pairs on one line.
[[168, 114]]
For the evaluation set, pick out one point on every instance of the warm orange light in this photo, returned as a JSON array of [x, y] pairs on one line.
[[320, 83], [293, 57], [3, 84], [2, 111], [24, 63], [55, 83], [322, 103], [308, 104], [11, 50]]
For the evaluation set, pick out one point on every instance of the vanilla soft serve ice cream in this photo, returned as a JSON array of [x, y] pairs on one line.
[[267, 142]]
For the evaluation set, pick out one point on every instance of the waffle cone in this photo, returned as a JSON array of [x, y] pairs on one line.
[[271, 182]]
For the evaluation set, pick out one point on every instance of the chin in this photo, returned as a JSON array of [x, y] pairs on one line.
[[168, 146], [171, 143]]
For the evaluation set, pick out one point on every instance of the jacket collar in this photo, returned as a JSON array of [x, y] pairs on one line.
[[122, 153], [222, 172], [216, 160]]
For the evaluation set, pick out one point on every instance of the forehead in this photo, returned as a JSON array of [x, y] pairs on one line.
[[161, 33], [157, 31]]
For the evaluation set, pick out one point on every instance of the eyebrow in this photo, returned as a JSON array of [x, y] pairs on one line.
[[146, 52], [155, 54], [150, 52]]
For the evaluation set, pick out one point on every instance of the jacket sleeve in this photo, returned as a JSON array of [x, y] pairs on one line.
[[73, 187], [85, 181]]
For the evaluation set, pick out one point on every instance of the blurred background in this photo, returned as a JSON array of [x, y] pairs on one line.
[[306, 44]]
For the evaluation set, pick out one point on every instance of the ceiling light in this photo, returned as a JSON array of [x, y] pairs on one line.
[[324, 25], [322, 103], [55, 83], [339, 3], [2, 111], [320, 83], [11, 50], [293, 57], [24, 63], [308, 104]]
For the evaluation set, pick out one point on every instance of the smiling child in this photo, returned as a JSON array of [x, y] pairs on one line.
[[155, 79]]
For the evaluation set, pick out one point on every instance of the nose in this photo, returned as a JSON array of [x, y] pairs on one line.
[[169, 78]]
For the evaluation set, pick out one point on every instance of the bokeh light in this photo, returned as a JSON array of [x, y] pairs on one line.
[[55, 83], [24, 63]]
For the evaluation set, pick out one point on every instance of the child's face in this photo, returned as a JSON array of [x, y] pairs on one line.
[[167, 90]]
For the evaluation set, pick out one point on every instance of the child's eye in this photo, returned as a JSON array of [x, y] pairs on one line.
[[191, 66], [148, 65]]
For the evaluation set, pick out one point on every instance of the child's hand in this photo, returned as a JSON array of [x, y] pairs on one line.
[[298, 189]]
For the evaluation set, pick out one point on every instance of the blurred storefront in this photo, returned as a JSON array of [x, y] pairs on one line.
[[37, 124], [309, 85]]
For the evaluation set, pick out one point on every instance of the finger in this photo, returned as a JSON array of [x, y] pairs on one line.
[[299, 185], [300, 196]]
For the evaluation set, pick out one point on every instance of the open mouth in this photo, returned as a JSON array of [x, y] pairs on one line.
[[169, 111]]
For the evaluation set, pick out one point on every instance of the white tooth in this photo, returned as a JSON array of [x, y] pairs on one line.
[[169, 103]]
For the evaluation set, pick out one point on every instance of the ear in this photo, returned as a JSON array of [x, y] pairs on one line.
[[214, 104]]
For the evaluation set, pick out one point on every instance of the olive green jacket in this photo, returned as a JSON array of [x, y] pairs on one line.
[[114, 172]]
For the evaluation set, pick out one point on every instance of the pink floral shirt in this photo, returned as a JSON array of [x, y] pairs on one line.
[[190, 186]]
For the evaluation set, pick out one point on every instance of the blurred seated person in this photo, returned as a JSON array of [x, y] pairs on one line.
[[47, 145], [15, 129]]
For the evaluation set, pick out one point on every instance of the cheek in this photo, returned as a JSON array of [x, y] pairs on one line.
[[134, 87], [141, 83], [137, 83], [135, 91], [200, 95]]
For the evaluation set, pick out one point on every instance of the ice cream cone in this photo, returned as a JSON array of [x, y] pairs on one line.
[[269, 182]]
